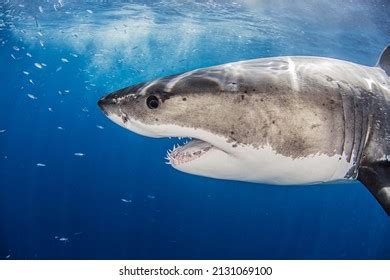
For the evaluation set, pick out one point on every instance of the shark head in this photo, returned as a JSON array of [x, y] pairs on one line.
[[182, 106], [247, 121]]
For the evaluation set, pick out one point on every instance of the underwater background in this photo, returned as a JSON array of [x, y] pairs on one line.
[[73, 185]]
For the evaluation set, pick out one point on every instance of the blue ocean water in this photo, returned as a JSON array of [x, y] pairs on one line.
[[73, 185]]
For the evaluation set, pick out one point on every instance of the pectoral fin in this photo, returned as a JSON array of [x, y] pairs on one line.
[[376, 177]]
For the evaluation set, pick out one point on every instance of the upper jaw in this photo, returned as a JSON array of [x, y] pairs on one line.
[[198, 137], [111, 109]]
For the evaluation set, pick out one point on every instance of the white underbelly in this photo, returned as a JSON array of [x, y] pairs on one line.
[[263, 165]]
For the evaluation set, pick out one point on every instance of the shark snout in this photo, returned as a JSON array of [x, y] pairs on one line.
[[106, 104]]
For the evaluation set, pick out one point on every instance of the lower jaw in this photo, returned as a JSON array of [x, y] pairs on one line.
[[188, 152]]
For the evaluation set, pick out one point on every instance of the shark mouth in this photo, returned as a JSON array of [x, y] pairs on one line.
[[188, 151]]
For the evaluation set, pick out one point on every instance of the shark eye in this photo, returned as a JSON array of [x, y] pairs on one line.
[[152, 102]]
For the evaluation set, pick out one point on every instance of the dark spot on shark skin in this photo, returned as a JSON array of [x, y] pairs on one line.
[[124, 118], [242, 97], [314, 126], [156, 119], [184, 99], [232, 132], [234, 145], [329, 79]]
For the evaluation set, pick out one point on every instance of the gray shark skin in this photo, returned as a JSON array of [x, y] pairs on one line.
[[283, 120]]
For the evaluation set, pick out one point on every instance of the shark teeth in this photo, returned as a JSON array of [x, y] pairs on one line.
[[187, 151], [170, 157]]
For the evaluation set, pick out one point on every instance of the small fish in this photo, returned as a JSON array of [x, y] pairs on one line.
[[78, 233], [16, 48], [38, 65], [60, 128], [26, 73], [126, 200], [63, 239], [31, 82], [59, 69], [79, 154], [32, 96], [50, 109], [74, 55], [43, 64], [99, 126], [41, 43], [41, 164], [151, 196], [13, 56], [2, 130], [40, 9], [64, 60], [8, 256], [40, 33], [89, 11], [29, 54]]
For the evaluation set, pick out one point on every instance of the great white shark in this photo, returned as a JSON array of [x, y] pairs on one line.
[[282, 120]]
